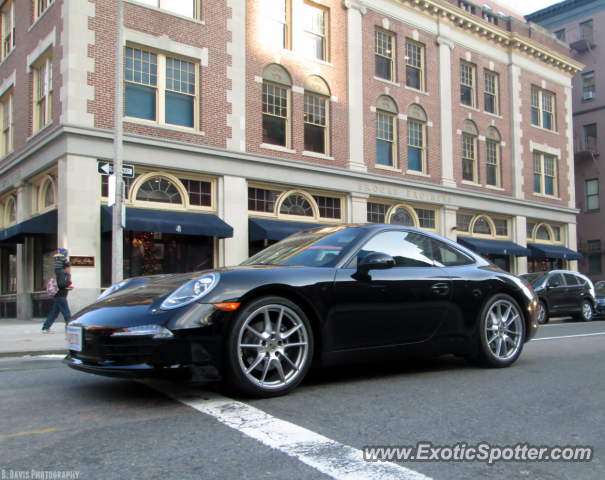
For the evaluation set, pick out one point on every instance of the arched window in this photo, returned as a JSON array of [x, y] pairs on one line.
[[10, 211], [159, 189], [297, 204], [543, 233], [417, 139], [492, 169], [386, 131], [46, 194], [401, 215], [316, 120], [487, 7], [482, 226], [469, 151], [276, 105]]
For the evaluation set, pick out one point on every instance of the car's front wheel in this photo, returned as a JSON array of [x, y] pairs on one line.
[[500, 333], [587, 313], [542, 313], [269, 348]]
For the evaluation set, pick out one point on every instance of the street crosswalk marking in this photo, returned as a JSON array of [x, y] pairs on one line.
[[328, 456]]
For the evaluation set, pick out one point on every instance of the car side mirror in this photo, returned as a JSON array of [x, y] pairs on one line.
[[375, 261], [553, 284]]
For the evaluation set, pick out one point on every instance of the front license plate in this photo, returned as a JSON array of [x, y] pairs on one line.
[[74, 338]]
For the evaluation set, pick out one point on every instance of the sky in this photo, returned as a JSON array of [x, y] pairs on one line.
[[531, 6]]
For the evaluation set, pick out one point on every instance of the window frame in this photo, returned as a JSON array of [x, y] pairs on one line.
[[589, 88], [392, 59], [560, 34], [474, 160], [288, 116], [160, 4], [41, 6], [287, 26], [160, 88], [326, 127], [9, 201], [8, 38], [540, 96], [584, 34], [393, 117], [420, 69], [473, 79], [326, 36], [497, 165], [423, 155], [593, 256], [596, 180], [7, 139], [495, 94], [39, 193], [46, 62], [543, 175]]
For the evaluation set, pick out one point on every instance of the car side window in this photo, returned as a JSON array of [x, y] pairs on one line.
[[446, 256], [556, 278], [581, 280], [571, 279], [408, 249]]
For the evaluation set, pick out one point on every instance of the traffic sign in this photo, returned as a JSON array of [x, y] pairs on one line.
[[106, 168]]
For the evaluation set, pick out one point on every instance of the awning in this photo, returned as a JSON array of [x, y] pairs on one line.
[[539, 250], [266, 229], [41, 225], [184, 223], [494, 247]]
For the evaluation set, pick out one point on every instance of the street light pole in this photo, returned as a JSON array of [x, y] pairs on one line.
[[117, 247]]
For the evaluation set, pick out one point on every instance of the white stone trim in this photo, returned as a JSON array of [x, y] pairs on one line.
[[236, 49], [334, 99], [296, 89], [491, 187], [317, 155], [401, 116], [387, 81], [258, 79], [415, 90], [390, 169], [546, 196], [554, 132], [516, 130], [542, 147], [167, 12], [276, 148], [165, 44], [43, 45], [165, 126], [38, 19], [466, 182], [418, 174], [372, 109], [8, 83]]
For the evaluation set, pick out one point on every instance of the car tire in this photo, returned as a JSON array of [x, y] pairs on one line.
[[542, 315], [278, 348], [500, 333], [587, 312]]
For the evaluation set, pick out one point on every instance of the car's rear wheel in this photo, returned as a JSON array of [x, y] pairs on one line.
[[587, 313], [542, 313], [500, 333], [269, 348]]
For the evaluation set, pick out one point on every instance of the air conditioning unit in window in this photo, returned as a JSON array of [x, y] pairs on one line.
[[588, 95]]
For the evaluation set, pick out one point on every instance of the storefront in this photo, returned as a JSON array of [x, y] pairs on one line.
[[545, 242]]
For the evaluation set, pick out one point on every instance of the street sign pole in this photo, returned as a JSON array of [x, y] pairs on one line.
[[117, 250]]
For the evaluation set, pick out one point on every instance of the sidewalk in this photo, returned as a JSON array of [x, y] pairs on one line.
[[24, 337]]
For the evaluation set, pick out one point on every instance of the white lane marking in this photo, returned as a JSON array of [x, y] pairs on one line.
[[568, 336], [44, 356], [329, 457]]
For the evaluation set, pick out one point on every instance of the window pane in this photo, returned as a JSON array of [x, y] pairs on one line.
[[179, 109], [501, 227], [447, 256], [415, 159], [549, 185], [402, 216], [329, 207], [383, 68], [592, 187], [492, 175], [296, 205], [274, 130], [537, 186], [547, 120], [482, 226], [140, 101], [261, 200], [490, 103], [466, 95], [315, 138], [542, 233], [535, 116], [272, 33], [384, 153], [412, 77], [463, 222], [313, 46], [376, 212], [159, 190], [408, 249], [182, 7], [426, 218]]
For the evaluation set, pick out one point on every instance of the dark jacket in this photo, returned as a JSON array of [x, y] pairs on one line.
[[60, 261], [63, 281]]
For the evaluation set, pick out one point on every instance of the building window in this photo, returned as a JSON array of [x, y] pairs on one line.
[[159, 88], [329, 207], [402, 216], [560, 34], [384, 44], [261, 200], [42, 6], [469, 152], [377, 212], [589, 91], [275, 115], [501, 227], [274, 24], [543, 233], [529, 230], [482, 226], [316, 124], [8, 28], [556, 231], [199, 192], [592, 195], [467, 84], [385, 139], [296, 204], [315, 32], [6, 107], [492, 170], [187, 8], [594, 259], [426, 218], [43, 86], [491, 93], [10, 211], [128, 181], [416, 152], [467, 7], [590, 138], [587, 31], [414, 60], [160, 190], [463, 222], [542, 109], [545, 174]]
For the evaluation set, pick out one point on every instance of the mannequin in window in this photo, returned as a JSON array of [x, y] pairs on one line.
[[174, 257], [137, 257]]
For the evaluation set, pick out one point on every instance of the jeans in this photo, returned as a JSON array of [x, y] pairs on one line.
[[59, 305]]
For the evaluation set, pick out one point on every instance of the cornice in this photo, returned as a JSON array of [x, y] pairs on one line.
[[512, 42]]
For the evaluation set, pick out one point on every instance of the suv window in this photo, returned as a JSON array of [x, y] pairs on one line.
[[556, 278], [408, 249], [581, 280], [570, 279]]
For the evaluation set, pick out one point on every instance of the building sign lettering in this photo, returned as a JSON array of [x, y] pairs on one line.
[[10, 180], [82, 261], [406, 193]]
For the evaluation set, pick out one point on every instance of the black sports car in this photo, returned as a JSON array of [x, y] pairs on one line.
[[326, 296]]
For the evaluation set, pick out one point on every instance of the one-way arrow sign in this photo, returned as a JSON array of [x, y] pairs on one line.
[[106, 168]]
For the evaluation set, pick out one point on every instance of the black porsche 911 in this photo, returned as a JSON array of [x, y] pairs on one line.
[[325, 296]]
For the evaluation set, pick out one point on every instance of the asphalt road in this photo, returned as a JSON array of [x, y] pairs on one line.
[[56, 419]]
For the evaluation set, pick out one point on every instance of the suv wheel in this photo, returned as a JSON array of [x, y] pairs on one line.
[[587, 312], [542, 313]]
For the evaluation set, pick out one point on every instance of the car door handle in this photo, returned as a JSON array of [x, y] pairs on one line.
[[441, 288]]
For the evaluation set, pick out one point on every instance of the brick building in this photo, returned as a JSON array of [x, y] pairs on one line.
[[575, 22], [248, 121]]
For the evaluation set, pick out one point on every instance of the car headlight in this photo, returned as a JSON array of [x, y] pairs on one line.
[[190, 292], [113, 289], [156, 331]]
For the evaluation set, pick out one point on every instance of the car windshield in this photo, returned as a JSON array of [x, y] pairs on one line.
[[317, 248], [600, 288], [534, 279]]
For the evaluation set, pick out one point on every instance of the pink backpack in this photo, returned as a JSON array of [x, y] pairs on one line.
[[51, 287]]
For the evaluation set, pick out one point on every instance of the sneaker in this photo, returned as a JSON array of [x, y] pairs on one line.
[[47, 330]]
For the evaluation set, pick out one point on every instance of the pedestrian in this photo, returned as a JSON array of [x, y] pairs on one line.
[[60, 299]]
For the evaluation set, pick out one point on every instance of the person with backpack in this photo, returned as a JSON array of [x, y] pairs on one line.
[[57, 288]]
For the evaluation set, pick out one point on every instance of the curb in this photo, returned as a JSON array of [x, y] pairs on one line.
[[33, 353]]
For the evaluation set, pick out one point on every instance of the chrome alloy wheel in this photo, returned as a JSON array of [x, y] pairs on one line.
[[587, 311], [273, 346], [504, 329]]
